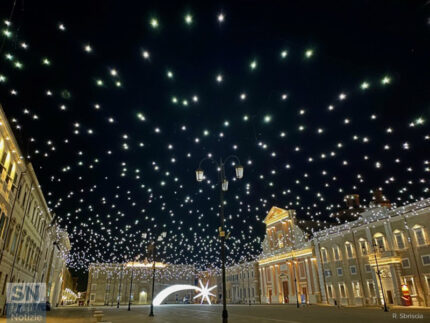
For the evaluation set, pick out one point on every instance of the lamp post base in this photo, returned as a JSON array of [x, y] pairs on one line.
[[224, 316], [151, 313]]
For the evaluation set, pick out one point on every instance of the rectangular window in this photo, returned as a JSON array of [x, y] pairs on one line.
[[353, 270], [93, 287], [368, 268], [405, 263], [93, 297], [339, 271], [327, 272], [371, 288], [426, 260], [399, 240]]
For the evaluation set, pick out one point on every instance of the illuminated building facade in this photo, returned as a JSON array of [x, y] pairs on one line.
[[27, 233], [287, 266], [243, 283], [396, 241], [109, 284]]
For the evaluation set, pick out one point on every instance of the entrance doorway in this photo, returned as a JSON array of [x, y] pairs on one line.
[[270, 296], [390, 297], [143, 297], [285, 289], [304, 295]]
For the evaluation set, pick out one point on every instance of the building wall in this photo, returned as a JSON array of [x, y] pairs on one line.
[[243, 283], [24, 216], [110, 283], [398, 239], [339, 266]]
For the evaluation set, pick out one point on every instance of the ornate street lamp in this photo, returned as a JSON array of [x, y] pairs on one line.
[[131, 288], [223, 184], [120, 285], [152, 248], [375, 248]]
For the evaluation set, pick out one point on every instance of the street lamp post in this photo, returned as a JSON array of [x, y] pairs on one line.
[[131, 287], [223, 183], [119, 290], [160, 238], [379, 276]]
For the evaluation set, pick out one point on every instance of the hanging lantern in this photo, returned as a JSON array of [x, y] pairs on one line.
[[199, 174], [224, 185], [239, 171]]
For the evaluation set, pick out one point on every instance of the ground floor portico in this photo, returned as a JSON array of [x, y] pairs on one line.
[[290, 279]]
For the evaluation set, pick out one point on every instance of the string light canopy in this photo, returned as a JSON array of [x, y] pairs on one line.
[[115, 118]]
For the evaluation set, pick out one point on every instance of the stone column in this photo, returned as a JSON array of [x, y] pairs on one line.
[[315, 280], [308, 277], [262, 290], [395, 277], [273, 282], [290, 287], [321, 277]]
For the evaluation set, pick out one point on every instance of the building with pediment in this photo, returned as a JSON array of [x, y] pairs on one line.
[[287, 265]]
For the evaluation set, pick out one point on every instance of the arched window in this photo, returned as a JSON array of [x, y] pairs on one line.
[[2, 224], [324, 255], [336, 253], [400, 241], [379, 241], [420, 236], [25, 195], [349, 249], [363, 246]]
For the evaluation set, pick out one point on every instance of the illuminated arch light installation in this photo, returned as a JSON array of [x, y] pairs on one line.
[[204, 292]]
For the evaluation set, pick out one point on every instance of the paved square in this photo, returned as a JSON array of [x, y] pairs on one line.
[[238, 314]]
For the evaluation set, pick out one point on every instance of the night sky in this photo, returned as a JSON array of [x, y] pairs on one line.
[[116, 103]]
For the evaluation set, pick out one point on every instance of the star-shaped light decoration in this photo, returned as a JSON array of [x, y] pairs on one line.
[[205, 292]]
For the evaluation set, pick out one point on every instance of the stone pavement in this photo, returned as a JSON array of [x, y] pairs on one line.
[[261, 314], [239, 314]]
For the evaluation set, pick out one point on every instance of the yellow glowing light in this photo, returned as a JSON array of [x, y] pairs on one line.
[[136, 264]]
